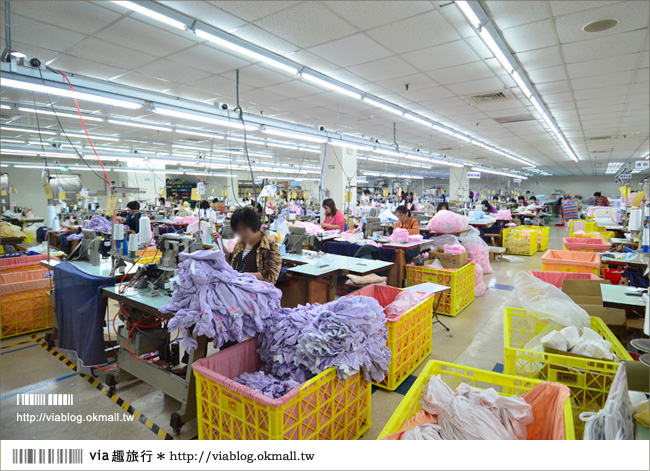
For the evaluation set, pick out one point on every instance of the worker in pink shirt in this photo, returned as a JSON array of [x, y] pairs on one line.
[[333, 217]]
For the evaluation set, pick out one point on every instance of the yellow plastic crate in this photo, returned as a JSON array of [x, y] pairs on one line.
[[542, 236], [453, 375], [581, 225], [409, 338], [322, 408], [24, 303], [461, 282], [589, 380], [517, 242]]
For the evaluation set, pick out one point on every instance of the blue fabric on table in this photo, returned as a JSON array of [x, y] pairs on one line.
[[349, 250], [40, 234], [636, 277], [80, 313]]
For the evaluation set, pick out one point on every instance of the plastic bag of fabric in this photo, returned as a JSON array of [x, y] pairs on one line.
[[454, 249], [477, 249], [10, 231], [479, 285], [404, 301], [447, 222], [545, 301], [446, 239], [387, 216]]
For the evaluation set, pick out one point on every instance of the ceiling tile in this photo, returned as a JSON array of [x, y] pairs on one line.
[[428, 29], [134, 79], [168, 70], [599, 66], [142, 37], [110, 54], [207, 13], [371, 14], [207, 58], [550, 74], [441, 57], [252, 10], [460, 73], [608, 46], [39, 34], [540, 58], [294, 89], [382, 69], [531, 36], [476, 87], [614, 79], [257, 35], [81, 17], [352, 50], [508, 14], [306, 24], [258, 76], [562, 7], [190, 93]]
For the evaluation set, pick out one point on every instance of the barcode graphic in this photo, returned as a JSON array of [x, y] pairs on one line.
[[44, 399], [47, 456]]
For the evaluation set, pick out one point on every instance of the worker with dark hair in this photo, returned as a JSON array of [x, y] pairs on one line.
[[161, 200], [488, 208], [442, 205], [600, 199], [405, 221], [255, 253], [204, 205], [521, 200], [133, 218], [333, 217]]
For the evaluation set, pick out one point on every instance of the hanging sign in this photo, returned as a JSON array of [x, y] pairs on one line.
[[294, 183], [625, 176], [200, 188], [642, 164], [473, 175], [48, 191], [362, 179], [195, 195], [331, 167], [516, 180], [258, 181]]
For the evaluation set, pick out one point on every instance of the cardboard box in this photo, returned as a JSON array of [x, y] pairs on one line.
[[447, 260], [586, 294]]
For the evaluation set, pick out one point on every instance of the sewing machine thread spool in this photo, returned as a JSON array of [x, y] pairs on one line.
[[645, 244], [125, 247], [145, 230], [118, 232], [133, 245], [636, 219]]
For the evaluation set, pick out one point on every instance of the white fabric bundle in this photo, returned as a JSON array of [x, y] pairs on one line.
[[590, 343]]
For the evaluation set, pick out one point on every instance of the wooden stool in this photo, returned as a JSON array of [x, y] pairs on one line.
[[496, 252]]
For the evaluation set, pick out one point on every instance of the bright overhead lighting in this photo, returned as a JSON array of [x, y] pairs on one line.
[[33, 87], [495, 49], [93, 138], [521, 84], [350, 145], [390, 152], [11, 141], [5, 107], [33, 153], [330, 85], [647, 157], [133, 124], [60, 114], [449, 132], [462, 137], [34, 131], [204, 119], [417, 119], [152, 14], [112, 149], [613, 167], [469, 14], [383, 106], [496, 172], [183, 146], [295, 135], [245, 51], [200, 134]]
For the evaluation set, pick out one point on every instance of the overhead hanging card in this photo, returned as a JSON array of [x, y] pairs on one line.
[[110, 204], [4, 192], [195, 195], [48, 191], [61, 195], [625, 191], [84, 192]]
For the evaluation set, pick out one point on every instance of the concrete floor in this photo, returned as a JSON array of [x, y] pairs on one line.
[[475, 339]]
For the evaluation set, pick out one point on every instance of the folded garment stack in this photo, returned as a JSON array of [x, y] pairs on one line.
[[214, 300], [266, 384], [588, 343]]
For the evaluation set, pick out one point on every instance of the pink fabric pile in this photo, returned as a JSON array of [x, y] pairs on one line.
[[477, 249], [401, 236], [185, 219], [402, 303], [479, 285], [454, 249], [447, 222], [504, 215]]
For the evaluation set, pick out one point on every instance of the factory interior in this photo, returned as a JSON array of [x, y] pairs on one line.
[[324, 220]]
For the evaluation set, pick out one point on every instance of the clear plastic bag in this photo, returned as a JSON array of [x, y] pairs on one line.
[[477, 249], [447, 222]]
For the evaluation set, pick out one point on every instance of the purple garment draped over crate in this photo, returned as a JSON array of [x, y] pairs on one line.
[[98, 224], [216, 301], [348, 334], [266, 384]]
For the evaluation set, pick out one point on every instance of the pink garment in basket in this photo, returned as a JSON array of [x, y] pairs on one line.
[[447, 222], [403, 302], [401, 236], [454, 249]]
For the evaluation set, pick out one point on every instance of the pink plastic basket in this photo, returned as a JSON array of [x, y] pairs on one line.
[[575, 262], [556, 278], [30, 262], [586, 244]]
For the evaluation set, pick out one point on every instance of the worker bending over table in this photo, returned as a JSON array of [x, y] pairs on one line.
[[333, 217], [405, 221], [255, 253], [133, 218]]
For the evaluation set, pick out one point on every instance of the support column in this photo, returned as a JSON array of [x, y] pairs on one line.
[[339, 176], [458, 184]]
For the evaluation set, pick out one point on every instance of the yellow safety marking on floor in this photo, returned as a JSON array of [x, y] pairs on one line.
[[162, 433], [15, 344]]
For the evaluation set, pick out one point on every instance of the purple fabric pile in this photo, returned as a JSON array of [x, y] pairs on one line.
[[266, 384], [212, 299], [348, 334], [98, 224], [76, 236]]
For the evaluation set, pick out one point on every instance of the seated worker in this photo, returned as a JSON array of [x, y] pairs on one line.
[[443, 205], [600, 200], [255, 253], [488, 208], [521, 201], [405, 221], [161, 201], [333, 217], [133, 218]]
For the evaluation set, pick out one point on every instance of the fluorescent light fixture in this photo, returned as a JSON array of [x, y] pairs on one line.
[[19, 55], [647, 157], [383, 106], [495, 49], [462, 137], [152, 14], [295, 135], [469, 14], [33, 87], [496, 172], [392, 153], [94, 138], [60, 114], [5, 107], [521, 84], [204, 119], [417, 119], [330, 86], [32, 153], [11, 141], [245, 51], [350, 145], [200, 134], [449, 132], [133, 124], [183, 146], [112, 149], [34, 131], [613, 167]]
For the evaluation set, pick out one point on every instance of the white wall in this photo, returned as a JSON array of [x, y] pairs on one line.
[[585, 185]]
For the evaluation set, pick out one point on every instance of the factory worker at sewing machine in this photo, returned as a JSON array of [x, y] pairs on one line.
[[405, 221], [334, 218], [133, 218], [255, 253]]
